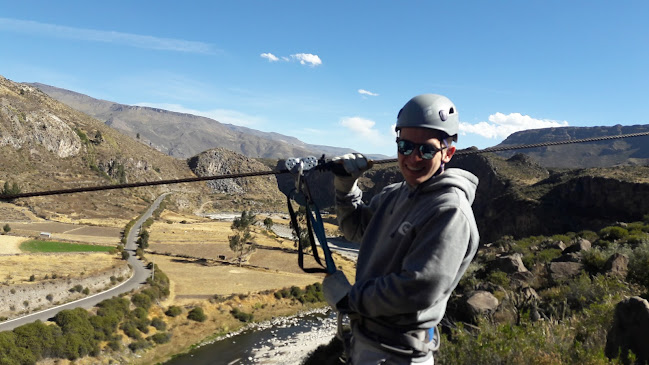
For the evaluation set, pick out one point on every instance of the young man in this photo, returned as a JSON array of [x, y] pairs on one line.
[[417, 239]]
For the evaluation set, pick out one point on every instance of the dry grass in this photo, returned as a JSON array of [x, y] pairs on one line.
[[9, 244], [273, 264], [17, 269]]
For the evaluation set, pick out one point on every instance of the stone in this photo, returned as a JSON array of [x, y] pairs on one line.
[[509, 264], [481, 302], [617, 265], [579, 246], [564, 270], [630, 331]]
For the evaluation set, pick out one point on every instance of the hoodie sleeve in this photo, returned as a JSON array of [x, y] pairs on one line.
[[430, 270], [353, 214]]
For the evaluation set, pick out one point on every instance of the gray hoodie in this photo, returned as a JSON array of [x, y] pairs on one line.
[[416, 243]]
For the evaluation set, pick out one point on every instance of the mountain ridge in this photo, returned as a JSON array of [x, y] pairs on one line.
[[163, 129]]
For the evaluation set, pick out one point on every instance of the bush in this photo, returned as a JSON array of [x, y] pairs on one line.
[[159, 324], [162, 337], [139, 345], [241, 316], [498, 277], [77, 288], [173, 311], [130, 329], [639, 265], [6, 228], [197, 315], [613, 233], [141, 300]]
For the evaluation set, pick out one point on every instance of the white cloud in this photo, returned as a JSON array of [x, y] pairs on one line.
[[365, 92], [226, 116], [127, 39], [271, 57], [364, 129], [303, 58], [501, 125], [307, 58]]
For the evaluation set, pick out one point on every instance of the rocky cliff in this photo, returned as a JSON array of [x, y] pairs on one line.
[[46, 145], [260, 189]]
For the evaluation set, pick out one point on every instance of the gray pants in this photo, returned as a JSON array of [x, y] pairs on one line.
[[365, 353]]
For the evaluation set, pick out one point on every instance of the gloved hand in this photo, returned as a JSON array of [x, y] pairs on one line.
[[335, 287], [355, 164]]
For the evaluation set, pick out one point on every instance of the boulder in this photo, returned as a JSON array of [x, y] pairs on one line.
[[617, 265], [509, 264], [569, 257], [564, 270], [630, 331], [481, 302], [579, 246], [557, 245]]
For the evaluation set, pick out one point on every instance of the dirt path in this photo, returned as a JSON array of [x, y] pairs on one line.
[[9, 244]]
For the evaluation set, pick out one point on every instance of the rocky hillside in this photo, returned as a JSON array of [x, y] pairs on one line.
[[518, 197], [629, 151], [46, 145], [185, 135], [258, 191]]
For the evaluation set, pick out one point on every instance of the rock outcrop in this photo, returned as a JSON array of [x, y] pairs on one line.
[[630, 331]]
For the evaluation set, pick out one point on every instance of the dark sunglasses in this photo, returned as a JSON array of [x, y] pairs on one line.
[[426, 151]]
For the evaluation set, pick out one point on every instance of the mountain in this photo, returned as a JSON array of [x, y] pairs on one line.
[[47, 145], [614, 152], [185, 135]]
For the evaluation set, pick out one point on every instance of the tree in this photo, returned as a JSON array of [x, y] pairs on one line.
[[240, 242], [143, 240], [268, 223], [6, 228], [12, 189]]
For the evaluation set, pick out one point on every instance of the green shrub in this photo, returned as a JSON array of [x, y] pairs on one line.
[[241, 316], [613, 233], [197, 315], [161, 337], [637, 238], [130, 329], [639, 265], [159, 324], [173, 311], [141, 300], [139, 345], [498, 277]]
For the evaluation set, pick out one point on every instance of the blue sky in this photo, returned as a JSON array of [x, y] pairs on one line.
[[337, 72]]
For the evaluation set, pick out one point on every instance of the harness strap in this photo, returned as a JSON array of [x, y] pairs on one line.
[[409, 344]]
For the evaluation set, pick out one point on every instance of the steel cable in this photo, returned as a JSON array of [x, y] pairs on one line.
[[277, 172]]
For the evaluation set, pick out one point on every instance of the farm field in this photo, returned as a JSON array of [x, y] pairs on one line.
[[68, 231], [273, 264], [53, 246], [17, 269]]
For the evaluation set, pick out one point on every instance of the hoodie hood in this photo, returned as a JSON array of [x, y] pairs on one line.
[[454, 177]]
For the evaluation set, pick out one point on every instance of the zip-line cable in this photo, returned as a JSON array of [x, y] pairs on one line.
[[278, 172]]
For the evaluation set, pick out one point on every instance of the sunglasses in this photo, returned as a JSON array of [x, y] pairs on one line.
[[426, 150]]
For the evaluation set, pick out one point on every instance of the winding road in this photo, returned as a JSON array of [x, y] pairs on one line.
[[140, 274]]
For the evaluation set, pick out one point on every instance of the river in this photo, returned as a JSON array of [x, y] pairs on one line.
[[282, 341]]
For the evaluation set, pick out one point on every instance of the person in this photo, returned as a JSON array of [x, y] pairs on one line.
[[417, 238]]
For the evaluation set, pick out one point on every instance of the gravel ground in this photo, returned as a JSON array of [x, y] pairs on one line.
[[294, 350]]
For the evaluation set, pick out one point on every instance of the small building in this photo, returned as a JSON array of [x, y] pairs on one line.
[[46, 235]]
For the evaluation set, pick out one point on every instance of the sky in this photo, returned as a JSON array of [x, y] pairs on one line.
[[335, 72]]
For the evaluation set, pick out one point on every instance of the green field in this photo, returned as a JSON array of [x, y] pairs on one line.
[[53, 246]]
